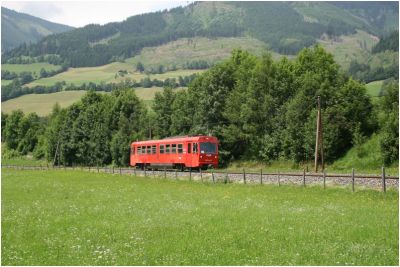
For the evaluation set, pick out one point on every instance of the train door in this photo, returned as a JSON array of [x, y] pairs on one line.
[[189, 154], [195, 156]]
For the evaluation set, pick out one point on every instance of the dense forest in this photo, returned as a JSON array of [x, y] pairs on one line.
[[390, 43], [284, 26], [258, 108]]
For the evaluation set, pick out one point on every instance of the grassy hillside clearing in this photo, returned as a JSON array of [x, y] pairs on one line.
[[33, 67], [149, 93], [323, 12], [185, 50], [350, 47], [107, 74], [5, 82], [374, 88], [79, 218], [43, 104], [365, 157]]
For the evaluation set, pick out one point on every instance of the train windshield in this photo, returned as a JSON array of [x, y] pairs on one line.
[[208, 148]]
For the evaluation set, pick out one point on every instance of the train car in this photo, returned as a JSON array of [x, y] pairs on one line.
[[187, 152]]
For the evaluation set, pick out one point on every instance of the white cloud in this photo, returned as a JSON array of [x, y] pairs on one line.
[[81, 13]]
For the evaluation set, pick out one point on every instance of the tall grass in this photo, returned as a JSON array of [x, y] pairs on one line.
[[79, 218]]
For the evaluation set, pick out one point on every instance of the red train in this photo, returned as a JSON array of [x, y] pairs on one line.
[[192, 152]]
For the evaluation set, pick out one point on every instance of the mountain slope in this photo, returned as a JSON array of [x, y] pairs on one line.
[[284, 26], [18, 28]]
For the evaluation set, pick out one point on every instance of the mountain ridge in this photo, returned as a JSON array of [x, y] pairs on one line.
[[18, 28]]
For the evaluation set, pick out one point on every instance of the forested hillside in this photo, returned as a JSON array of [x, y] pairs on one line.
[[18, 28], [286, 27], [388, 43]]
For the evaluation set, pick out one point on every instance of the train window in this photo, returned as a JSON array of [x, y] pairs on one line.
[[132, 150], [173, 149], [153, 149], [143, 150], [208, 147], [180, 148], [167, 149], [161, 149], [139, 150], [189, 150], [148, 149], [195, 148]]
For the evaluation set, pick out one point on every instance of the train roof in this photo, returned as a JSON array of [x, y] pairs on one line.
[[177, 139]]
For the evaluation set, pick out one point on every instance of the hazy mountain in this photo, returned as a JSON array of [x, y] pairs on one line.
[[18, 28], [286, 27]]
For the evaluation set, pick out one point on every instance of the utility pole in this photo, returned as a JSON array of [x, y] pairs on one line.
[[319, 146]]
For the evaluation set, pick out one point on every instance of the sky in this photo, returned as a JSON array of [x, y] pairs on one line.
[[80, 13]]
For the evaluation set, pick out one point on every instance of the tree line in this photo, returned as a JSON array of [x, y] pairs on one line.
[[258, 108], [27, 76]]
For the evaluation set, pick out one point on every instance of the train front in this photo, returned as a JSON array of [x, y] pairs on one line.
[[208, 148]]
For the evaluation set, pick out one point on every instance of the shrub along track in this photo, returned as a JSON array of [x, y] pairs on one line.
[[379, 182]]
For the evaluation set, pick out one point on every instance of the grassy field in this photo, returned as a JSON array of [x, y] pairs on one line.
[[5, 82], [374, 88], [43, 104], [34, 67], [107, 74], [193, 49], [79, 218]]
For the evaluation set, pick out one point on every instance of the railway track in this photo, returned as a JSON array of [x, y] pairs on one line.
[[360, 180]]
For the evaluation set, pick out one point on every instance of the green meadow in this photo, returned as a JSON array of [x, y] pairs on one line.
[[5, 82], [43, 104], [374, 88], [106, 74], [61, 217], [33, 67]]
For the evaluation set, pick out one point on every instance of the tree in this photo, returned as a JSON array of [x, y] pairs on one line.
[[12, 129], [4, 117], [139, 67], [389, 105], [29, 131], [43, 73], [180, 118], [26, 77], [162, 106]]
